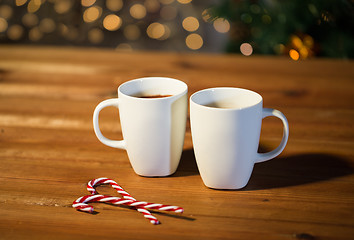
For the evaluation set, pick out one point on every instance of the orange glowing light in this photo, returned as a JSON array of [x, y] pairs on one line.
[[194, 41], [114, 5], [138, 11], [304, 52], [20, 2], [3, 24], [294, 55], [296, 41], [155, 30], [112, 22], [184, 1], [190, 24], [92, 14], [33, 6], [62, 6], [87, 3]]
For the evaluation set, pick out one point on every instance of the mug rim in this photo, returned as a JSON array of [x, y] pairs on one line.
[[132, 81], [194, 95]]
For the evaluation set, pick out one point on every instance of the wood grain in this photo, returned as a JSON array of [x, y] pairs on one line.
[[48, 150]]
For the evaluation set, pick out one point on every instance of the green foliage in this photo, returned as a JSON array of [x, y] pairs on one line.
[[268, 24]]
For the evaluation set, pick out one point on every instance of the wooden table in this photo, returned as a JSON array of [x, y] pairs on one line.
[[48, 150]]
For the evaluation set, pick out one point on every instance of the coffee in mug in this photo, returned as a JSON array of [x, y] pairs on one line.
[[154, 96]]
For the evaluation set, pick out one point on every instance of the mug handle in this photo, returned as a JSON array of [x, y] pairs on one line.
[[267, 112], [111, 143]]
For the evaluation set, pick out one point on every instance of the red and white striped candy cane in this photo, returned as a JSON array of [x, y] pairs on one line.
[[98, 181], [81, 203]]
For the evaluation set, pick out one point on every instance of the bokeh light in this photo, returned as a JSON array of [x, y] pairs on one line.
[[95, 35], [91, 14], [152, 5], [112, 22], [194, 41], [35, 34], [33, 5], [47, 25], [62, 6], [303, 44], [136, 22], [304, 52], [294, 54], [114, 5], [155, 30], [255, 8], [296, 41], [266, 19], [190, 24], [308, 41], [246, 49], [125, 47], [20, 2], [166, 34], [3, 25], [221, 25], [15, 32], [5, 11], [63, 29], [30, 19], [246, 18], [137, 11], [178, 23], [87, 3], [184, 1]]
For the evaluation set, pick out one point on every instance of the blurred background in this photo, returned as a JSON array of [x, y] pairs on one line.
[[296, 29]]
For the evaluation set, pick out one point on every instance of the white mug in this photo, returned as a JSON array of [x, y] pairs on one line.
[[153, 115], [226, 126]]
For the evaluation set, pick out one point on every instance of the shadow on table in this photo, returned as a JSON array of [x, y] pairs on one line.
[[297, 170], [282, 171], [187, 166], [155, 212]]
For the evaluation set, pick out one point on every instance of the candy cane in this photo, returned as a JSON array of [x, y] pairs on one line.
[[98, 181], [81, 203]]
